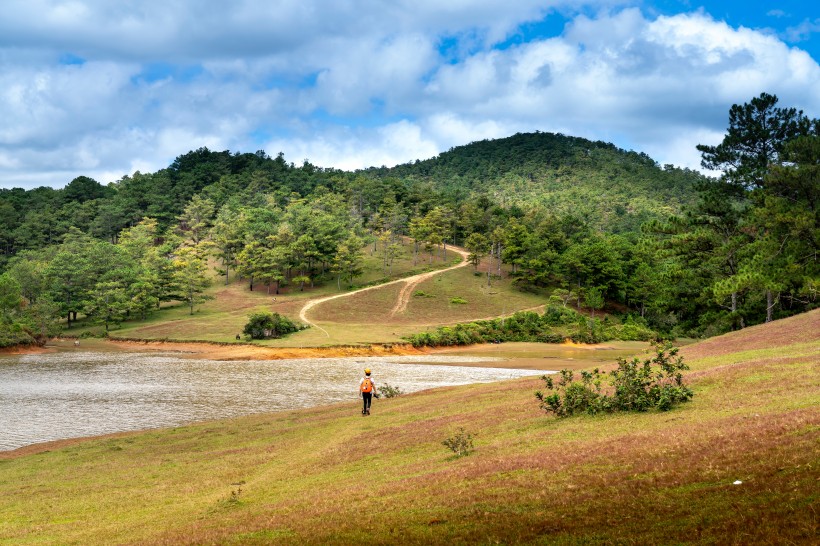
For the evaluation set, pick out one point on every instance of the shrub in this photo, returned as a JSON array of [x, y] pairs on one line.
[[572, 397], [266, 325], [458, 300], [634, 330], [655, 383], [422, 294], [389, 391], [461, 443], [557, 316], [528, 326]]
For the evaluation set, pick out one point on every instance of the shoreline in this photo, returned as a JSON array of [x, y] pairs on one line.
[[512, 355], [529, 356], [205, 350]]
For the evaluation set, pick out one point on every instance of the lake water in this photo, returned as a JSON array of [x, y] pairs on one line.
[[76, 394]]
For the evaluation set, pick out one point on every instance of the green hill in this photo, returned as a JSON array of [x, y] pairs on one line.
[[610, 188], [736, 465]]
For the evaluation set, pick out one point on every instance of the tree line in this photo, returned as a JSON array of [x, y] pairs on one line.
[[582, 222]]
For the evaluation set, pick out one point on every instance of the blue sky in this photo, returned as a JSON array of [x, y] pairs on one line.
[[103, 89]]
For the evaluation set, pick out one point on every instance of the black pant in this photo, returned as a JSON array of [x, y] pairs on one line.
[[366, 399]]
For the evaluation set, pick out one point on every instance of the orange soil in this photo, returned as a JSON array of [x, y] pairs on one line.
[[25, 350], [210, 351]]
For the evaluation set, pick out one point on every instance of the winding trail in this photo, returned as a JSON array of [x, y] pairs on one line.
[[402, 300]]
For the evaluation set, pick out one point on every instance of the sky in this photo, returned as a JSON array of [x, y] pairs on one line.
[[104, 89]]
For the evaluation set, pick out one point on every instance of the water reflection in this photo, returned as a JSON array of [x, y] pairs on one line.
[[75, 394]]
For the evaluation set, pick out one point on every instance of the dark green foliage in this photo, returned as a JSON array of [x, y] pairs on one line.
[[634, 329], [602, 185], [554, 326], [23, 323], [572, 397], [267, 325], [654, 383], [388, 391], [461, 443]]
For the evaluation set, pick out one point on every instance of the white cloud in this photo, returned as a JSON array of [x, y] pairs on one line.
[[803, 31], [353, 84], [349, 149], [650, 83]]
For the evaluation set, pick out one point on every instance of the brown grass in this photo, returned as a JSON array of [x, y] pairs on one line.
[[329, 476]]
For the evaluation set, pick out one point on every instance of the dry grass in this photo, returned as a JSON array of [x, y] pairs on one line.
[[327, 475], [434, 307], [350, 319]]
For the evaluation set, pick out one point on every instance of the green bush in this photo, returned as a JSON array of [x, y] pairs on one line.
[[461, 443], [266, 325], [422, 294], [530, 326], [556, 315], [654, 383], [458, 300], [389, 391], [634, 329]]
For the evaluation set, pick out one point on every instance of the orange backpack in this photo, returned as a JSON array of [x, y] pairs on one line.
[[367, 385]]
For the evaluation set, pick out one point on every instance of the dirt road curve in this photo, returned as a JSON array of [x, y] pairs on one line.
[[402, 300]]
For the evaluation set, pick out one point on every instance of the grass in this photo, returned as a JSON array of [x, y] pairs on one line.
[[327, 475], [223, 317], [361, 319]]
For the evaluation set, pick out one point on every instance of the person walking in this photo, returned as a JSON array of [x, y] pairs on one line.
[[366, 389]]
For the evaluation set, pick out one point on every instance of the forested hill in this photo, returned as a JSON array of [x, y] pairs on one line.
[[577, 220], [609, 188], [604, 187]]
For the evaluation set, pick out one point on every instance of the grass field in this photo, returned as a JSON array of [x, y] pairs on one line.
[[363, 318], [223, 317], [328, 475]]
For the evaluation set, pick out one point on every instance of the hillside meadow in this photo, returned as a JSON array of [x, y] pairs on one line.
[[365, 318], [736, 465]]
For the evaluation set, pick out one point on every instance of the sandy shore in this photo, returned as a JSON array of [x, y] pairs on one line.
[[214, 351], [532, 356]]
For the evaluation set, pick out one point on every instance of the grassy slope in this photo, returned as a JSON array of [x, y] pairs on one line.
[[360, 319], [329, 475]]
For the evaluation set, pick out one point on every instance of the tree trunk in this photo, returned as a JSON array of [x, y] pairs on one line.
[[769, 305]]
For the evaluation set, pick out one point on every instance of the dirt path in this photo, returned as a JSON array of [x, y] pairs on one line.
[[404, 295]]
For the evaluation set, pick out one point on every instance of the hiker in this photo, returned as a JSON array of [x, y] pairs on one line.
[[366, 388]]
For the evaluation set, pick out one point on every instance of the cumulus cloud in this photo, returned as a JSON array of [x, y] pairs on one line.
[[98, 88]]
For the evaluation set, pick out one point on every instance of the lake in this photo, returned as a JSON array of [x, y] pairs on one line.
[[76, 394]]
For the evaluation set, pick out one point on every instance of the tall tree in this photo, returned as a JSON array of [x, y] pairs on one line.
[[754, 145], [191, 275], [196, 217], [758, 130], [226, 234], [478, 246]]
